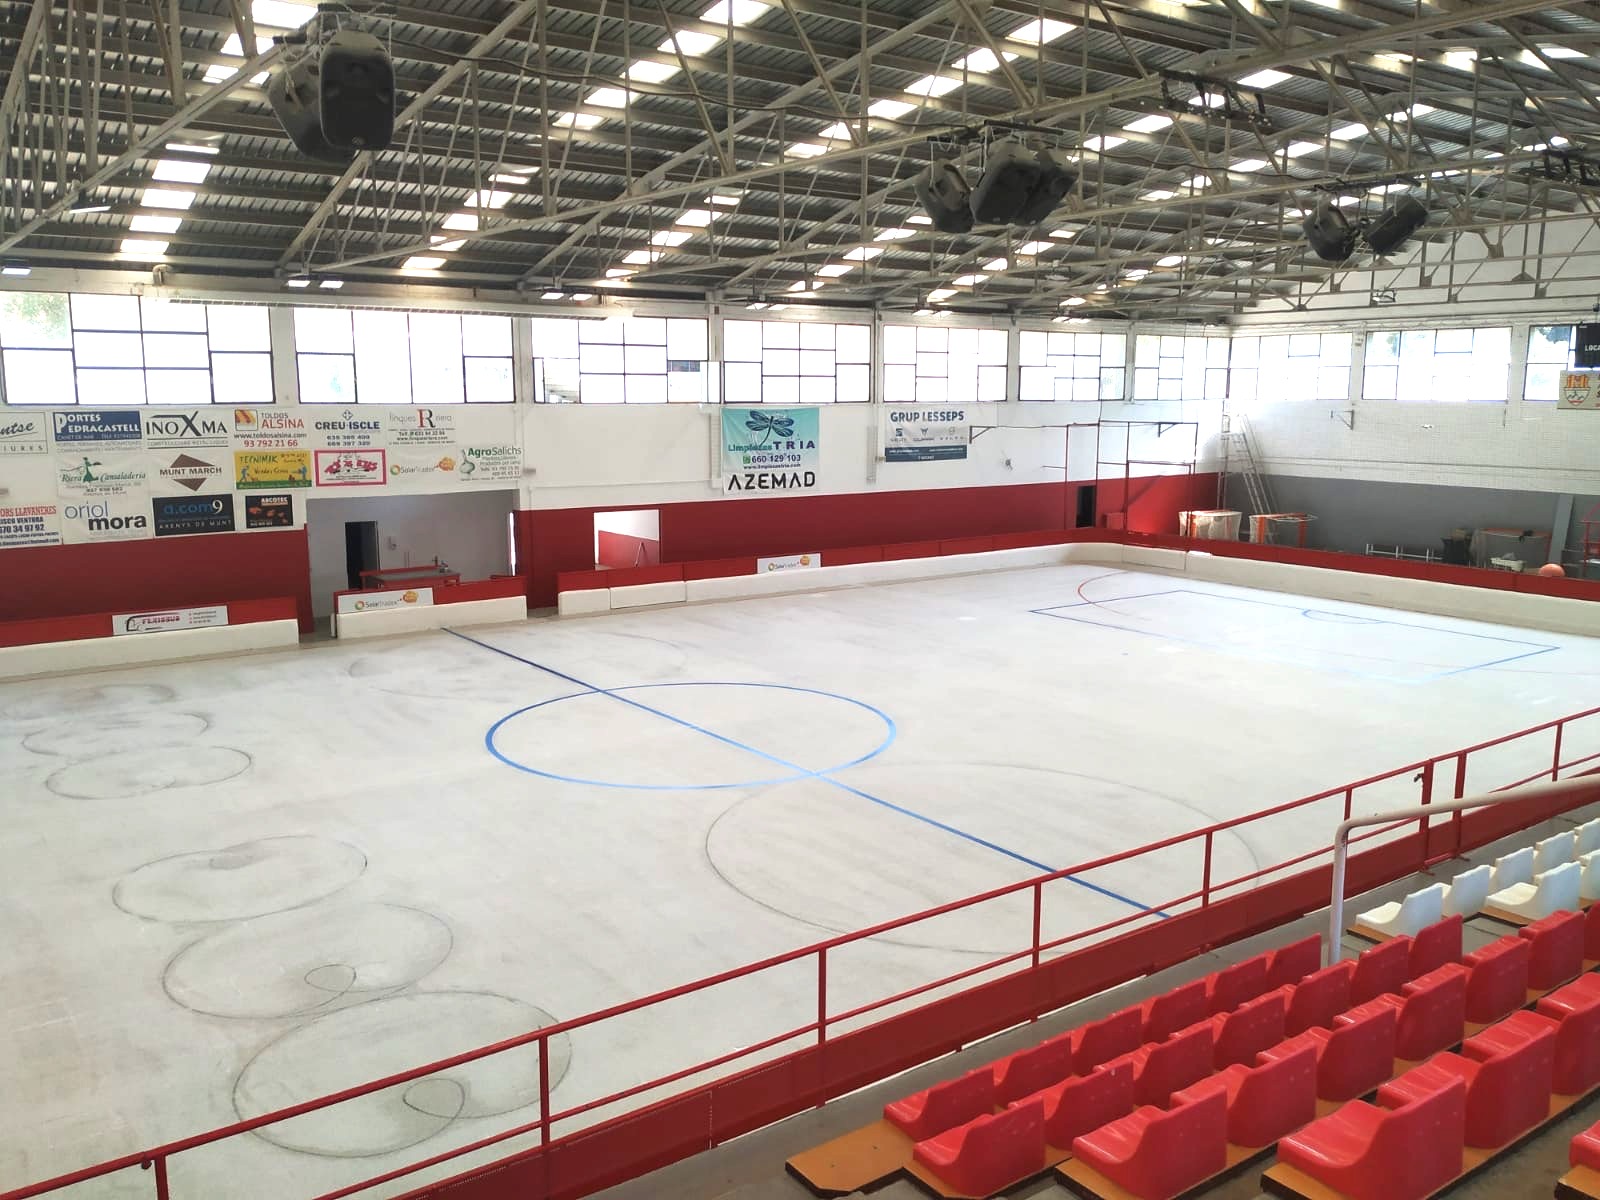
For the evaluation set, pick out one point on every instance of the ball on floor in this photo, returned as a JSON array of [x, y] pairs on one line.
[[1553, 571]]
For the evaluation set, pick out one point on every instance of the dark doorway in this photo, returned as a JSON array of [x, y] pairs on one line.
[[360, 550], [1085, 519]]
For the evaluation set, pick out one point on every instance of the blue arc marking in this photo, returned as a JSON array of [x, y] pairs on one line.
[[796, 771]]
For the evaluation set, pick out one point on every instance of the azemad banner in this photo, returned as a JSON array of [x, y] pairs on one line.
[[925, 434], [769, 449]]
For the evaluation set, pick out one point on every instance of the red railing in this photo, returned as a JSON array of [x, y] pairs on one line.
[[840, 1053]]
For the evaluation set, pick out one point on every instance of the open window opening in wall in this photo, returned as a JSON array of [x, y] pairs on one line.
[[796, 362], [1549, 355], [1437, 365], [120, 350], [629, 538], [1179, 367], [1298, 366], [620, 360], [1072, 366], [930, 364], [372, 356]]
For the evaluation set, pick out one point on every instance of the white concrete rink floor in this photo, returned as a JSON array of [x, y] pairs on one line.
[[234, 885]]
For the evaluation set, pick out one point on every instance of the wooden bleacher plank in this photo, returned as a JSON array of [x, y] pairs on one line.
[[853, 1161]]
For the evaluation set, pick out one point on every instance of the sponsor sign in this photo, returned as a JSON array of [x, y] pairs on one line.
[[271, 470], [29, 525], [190, 471], [186, 430], [192, 514], [266, 511], [120, 429], [169, 619], [1581, 390], [355, 602], [925, 434], [788, 562], [91, 472], [111, 519], [413, 466], [489, 464], [23, 433], [351, 468], [421, 427], [769, 449], [348, 430], [268, 429]]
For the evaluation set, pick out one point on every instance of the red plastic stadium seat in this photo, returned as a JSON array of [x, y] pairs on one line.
[[1433, 1011], [1267, 1101], [1163, 1068], [1171, 1011], [1577, 1008], [1101, 1041], [1381, 970], [989, 1154], [1319, 998], [1585, 1151], [1249, 1029], [1516, 1062], [1157, 1155], [1371, 1153], [1292, 963], [1232, 986], [1086, 1102], [1028, 1071], [1591, 933], [1435, 945], [1499, 981], [1557, 949], [1353, 1057], [943, 1106]]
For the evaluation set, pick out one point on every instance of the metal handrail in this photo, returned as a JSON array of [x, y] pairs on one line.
[[1341, 837]]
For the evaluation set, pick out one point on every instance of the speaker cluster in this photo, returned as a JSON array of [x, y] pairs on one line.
[[1333, 237], [337, 99], [1017, 186]]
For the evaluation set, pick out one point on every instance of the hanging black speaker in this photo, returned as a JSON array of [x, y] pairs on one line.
[[944, 194], [1329, 232], [1398, 222], [357, 92], [1056, 178], [1010, 175], [295, 96]]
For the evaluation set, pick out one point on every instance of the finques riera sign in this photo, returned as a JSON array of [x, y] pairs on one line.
[[769, 449]]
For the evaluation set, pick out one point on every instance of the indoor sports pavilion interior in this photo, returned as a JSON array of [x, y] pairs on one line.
[[763, 599]]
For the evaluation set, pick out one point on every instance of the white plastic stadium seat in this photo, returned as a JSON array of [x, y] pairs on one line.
[[1554, 851], [1468, 891], [1588, 838], [1589, 889], [1555, 890], [1408, 916], [1516, 867]]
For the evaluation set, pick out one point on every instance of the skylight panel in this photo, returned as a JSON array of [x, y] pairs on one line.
[[142, 247], [157, 197], [740, 12], [1108, 142], [1149, 124], [1036, 33], [179, 170], [890, 109], [691, 44], [1264, 79], [933, 85], [646, 71]]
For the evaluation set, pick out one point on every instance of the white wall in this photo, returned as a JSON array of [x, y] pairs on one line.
[[468, 531]]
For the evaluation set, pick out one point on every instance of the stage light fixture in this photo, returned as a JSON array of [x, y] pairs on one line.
[[1397, 223], [1056, 179], [945, 196], [337, 99], [1010, 175]]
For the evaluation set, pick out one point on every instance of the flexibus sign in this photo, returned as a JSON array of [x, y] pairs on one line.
[[769, 449]]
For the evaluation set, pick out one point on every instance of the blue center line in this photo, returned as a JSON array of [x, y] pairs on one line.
[[801, 771]]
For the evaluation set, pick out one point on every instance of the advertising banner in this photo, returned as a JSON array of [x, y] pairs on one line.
[[192, 514], [351, 468], [265, 510], [490, 464], [192, 430], [421, 427], [788, 562], [925, 434], [380, 601], [271, 469], [91, 472], [269, 429], [192, 472], [769, 449], [169, 619], [1581, 390], [98, 429], [24, 433], [112, 519], [29, 525], [418, 467], [348, 430]]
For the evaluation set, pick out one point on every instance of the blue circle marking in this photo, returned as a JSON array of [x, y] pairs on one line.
[[791, 771]]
